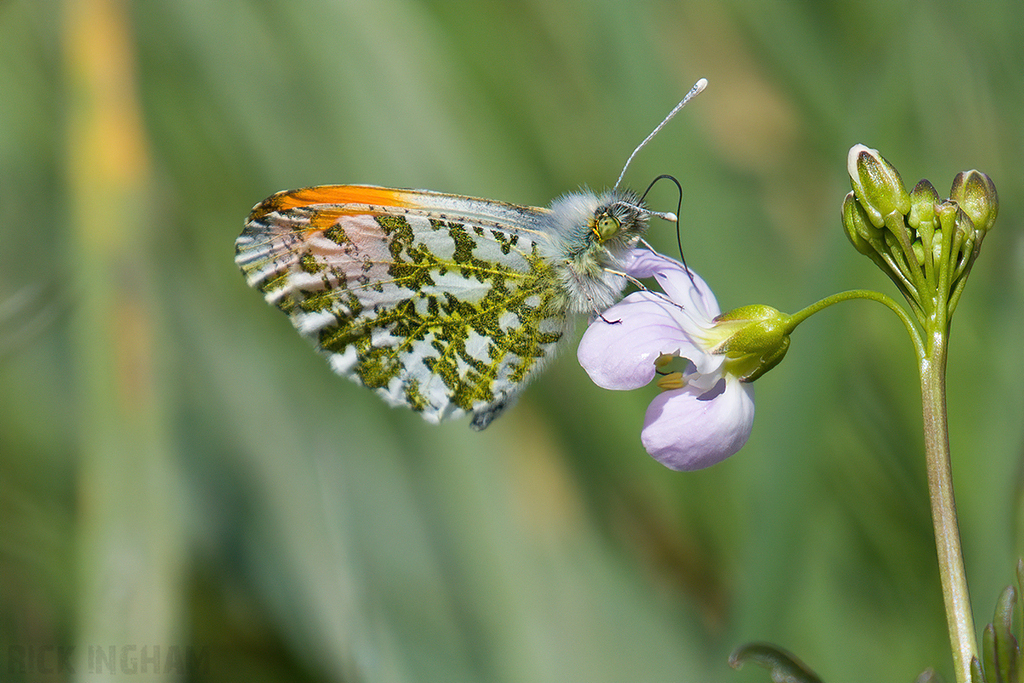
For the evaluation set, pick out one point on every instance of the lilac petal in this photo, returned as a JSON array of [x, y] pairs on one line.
[[644, 263], [686, 431], [693, 295], [619, 348]]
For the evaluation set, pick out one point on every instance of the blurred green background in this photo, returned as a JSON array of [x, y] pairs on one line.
[[181, 476]]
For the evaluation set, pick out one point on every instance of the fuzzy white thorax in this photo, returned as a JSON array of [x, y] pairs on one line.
[[591, 271]]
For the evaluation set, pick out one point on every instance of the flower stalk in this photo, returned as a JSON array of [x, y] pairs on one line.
[[956, 597], [927, 247]]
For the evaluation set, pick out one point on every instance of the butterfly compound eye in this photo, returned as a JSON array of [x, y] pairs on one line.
[[606, 227]]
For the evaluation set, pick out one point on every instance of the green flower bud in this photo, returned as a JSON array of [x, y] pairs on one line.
[[976, 194], [858, 228], [877, 184], [965, 235], [923, 199], [945, 212], [755, 338], [965, 228], [923, 220], [918, 249]]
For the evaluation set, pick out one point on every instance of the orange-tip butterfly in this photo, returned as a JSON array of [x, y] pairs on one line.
[[443, 303]]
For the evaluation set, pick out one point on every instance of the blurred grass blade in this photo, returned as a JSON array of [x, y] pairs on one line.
[[26, 314], [999, 646], [977, 674], [129, 543], [784, 666]]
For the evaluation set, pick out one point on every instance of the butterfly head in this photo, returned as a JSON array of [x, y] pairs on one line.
[[622, 219]]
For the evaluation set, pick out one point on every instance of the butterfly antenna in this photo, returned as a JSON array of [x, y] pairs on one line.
[[672, 217], [694, 91]]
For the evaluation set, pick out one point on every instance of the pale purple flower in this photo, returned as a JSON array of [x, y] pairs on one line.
[[705, 413]]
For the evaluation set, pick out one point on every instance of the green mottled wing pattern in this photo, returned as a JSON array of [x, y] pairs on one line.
[[441, 303]]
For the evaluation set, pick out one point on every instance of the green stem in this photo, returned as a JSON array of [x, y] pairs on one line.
[[932, 367], [870, 295], [957, 600]]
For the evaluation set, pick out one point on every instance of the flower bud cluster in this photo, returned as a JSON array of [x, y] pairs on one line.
[[925, 244]]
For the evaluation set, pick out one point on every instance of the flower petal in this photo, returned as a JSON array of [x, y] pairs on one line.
[[684, 430], [642, 263], [693, 294], [619, 348]]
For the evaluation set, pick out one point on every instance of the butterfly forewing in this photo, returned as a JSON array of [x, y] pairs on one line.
[[438, 302]]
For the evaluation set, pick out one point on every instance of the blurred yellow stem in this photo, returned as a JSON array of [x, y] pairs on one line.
[[129, 553]]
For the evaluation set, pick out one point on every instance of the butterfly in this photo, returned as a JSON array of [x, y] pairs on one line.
[[443, 303]]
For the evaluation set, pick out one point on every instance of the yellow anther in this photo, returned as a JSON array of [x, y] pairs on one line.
[[673, 380]]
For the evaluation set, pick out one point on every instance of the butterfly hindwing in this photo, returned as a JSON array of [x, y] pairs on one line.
[[441, 303]]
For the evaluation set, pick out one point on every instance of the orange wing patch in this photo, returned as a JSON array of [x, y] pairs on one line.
[[335, 196]]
